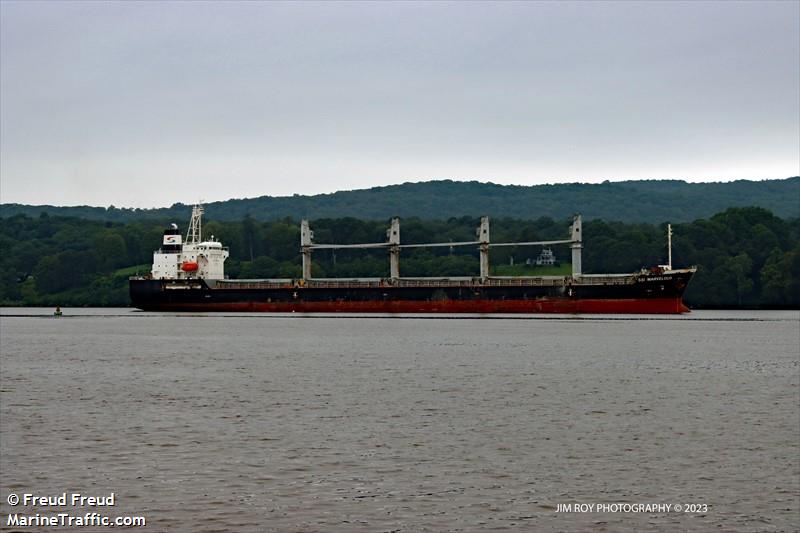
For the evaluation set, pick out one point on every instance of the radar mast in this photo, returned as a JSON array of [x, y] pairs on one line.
[[195, 233]]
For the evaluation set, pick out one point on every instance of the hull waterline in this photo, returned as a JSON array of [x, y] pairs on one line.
[[604, 306]]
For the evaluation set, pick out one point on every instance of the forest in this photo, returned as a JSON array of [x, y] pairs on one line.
[[651, 201], [747, 257]]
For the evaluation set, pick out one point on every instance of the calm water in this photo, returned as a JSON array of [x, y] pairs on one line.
[[292, 423]]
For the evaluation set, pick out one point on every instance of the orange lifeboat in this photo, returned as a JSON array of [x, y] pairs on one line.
[[189, 266]]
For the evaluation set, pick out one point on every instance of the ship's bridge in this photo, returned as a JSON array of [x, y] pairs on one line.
[[195, 258]]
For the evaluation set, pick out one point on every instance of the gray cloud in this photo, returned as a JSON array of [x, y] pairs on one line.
[[144, 103]]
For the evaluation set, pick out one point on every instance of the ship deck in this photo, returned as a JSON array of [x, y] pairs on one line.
[[361, 283]]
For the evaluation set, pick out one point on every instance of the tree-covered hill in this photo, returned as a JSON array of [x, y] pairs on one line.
[[628, 201], [747, 257]]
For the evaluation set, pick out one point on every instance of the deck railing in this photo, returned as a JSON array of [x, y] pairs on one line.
[[386, 283]]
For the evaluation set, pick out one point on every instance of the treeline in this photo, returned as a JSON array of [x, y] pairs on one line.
[[747, 257], [629, 201]]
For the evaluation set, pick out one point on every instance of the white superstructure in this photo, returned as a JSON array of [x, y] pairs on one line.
[[193, 259]]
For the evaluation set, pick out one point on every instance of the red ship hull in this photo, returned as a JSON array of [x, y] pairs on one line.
[[555, 305]]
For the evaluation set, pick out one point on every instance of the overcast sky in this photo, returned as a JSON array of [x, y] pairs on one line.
[[143, 104]]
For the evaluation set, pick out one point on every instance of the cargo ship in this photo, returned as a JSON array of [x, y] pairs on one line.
[[188, 275]]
